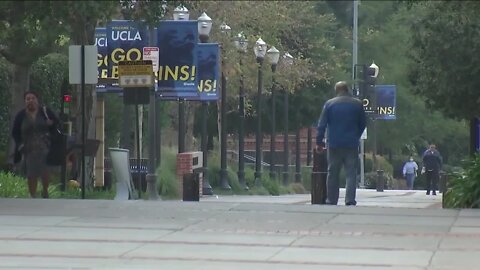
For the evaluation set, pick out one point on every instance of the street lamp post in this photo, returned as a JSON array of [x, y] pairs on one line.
[[241, 44], [204, 28], [273, 56], [260, 50], [371, 85], [288, 60], [181, 13], [224, 28]]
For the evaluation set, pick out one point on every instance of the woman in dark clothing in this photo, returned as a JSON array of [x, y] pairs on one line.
[[31, 135]]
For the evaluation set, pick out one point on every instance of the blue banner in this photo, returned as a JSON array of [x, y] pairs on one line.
[[208, 71], [103, 68], [125, 42], [177, 74], [385, 101]]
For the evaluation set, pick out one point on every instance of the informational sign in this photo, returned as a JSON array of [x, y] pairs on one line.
[[86, 54], [152, 54], [136, 73], [208, 71], [125, 42], [385, 101], [177, 72]]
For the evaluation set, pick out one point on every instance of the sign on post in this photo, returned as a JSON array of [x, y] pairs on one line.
[[135, 74], [152, 54], [75, 64]]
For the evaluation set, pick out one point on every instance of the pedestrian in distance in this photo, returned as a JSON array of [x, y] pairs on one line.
[[410, 172], [432, 164], [30, 131], [344, 120]]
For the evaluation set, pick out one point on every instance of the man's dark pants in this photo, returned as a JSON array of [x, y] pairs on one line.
[[432, 177], [338, 157]]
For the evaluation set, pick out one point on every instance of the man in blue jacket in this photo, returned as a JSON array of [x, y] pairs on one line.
[[344, 118]]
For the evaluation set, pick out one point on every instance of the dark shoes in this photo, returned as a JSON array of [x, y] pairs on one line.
[[351, 203], [433, 193]]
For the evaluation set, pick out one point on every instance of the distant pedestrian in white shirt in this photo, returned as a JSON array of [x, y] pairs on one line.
[[410, 172]]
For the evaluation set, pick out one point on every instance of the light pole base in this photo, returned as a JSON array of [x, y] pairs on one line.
[[286, 178], [206, 187], [241, 180], [258, 179], [152, 187], [224, 180], [298, 177]]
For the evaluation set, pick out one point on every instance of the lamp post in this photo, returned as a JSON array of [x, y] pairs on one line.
[[371, 87], [204, 28], [181, 13], [241, 44], [224, 28], [273, 56], [288, 60], [260, 50]]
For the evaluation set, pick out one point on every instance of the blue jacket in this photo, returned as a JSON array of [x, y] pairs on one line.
[[345, 119]]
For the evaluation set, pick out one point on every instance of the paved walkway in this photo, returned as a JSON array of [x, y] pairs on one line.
[[394, 230]]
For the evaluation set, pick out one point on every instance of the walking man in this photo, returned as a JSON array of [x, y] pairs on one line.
[[344, 120], [432, 163]]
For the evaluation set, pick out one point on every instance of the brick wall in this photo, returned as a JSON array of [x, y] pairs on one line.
[[184, 166]]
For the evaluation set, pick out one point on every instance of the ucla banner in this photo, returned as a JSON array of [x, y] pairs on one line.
[[208, 71], [386, 101], [103, 69], [125, 42], [177, 72]]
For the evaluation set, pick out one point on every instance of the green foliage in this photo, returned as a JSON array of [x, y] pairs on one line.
[[4, 103], [463, 190], [12, 186], [443, 43], [167, 177], [48, 74]]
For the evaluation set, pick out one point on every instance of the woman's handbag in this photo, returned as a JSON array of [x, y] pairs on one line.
[[56, 152]]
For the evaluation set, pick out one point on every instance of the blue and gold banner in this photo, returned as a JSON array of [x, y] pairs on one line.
[[103, 69], [125, 42], [386, 101], [208, 71], [177, 74]]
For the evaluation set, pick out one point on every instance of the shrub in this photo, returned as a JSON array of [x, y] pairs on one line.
[[166, 173], [12, 186], [463, 189]]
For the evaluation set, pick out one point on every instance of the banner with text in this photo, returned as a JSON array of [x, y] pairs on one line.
[[103, 71], [125, 42], [177, 70], [208, 71], [386, 101]]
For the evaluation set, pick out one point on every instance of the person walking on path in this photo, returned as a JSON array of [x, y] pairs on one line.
[[344, 120], [410, 172], [432, 163], [30, 132]]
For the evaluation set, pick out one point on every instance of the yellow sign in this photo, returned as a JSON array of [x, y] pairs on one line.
[[132, 68]]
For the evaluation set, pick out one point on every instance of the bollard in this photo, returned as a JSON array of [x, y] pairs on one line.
[[319, 177], [191, 187], [380, 181]]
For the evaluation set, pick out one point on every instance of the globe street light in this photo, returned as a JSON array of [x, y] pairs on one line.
[[204, 28], [224, 28], [288, 61], [260, 50], [273, 56], [241, 44], [181, 13]]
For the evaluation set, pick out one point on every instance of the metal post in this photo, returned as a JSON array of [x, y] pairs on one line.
[[158, 133], [258, 135], [298, 174], [181, 125], [374, 154], [139, 147], [380, 181], [223, 136], [309, 146], [273, 132], [354, 63], [241, 134], [285, 140], [84, 133], [206, 187]]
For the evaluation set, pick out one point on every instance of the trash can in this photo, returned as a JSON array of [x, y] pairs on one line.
[[319, 177], [380, 180], [191, 186]]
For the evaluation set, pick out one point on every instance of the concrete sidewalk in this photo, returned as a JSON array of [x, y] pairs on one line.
[[239, 232]]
